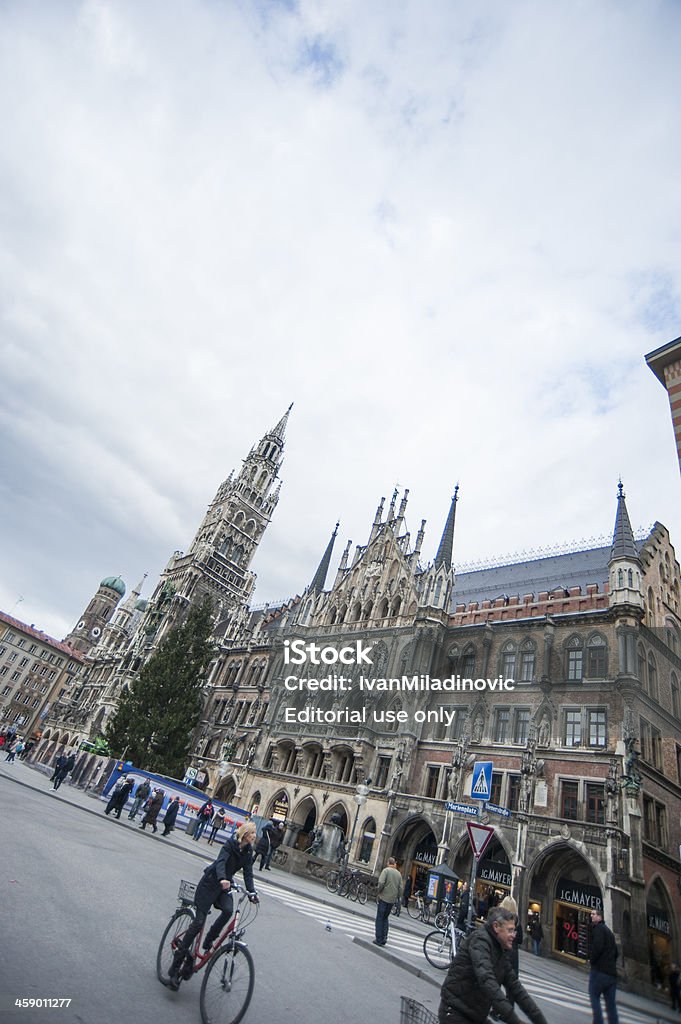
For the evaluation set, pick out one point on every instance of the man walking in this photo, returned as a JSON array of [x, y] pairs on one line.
[[389, 891], [603, 976], [141, 794], [473, 984]]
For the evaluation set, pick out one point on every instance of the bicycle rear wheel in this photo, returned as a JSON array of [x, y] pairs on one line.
[[332, 880], [437, 947], [344, 886], [228, 985], [442, 920], [362, 892], [176, 927]]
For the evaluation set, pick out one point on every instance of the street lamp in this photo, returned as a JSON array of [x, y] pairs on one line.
[[360, 798]]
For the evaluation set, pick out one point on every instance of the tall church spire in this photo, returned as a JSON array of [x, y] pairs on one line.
[[319, 580], [446, 548], [623, 543], [280, 429]]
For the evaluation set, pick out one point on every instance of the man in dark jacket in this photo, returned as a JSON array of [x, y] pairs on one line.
[[603, 976], [66, 765], [141, 794], [119, 796], [170, 816], [473, 984], [214, 889]]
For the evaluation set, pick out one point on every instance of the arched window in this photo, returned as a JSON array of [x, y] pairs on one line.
[[508, 660], [574, 667], [620, 578], [641, 662], [630, 578], [652, 678], [383, 608], [527, 661], [675, 695], [366, 843], [467, 670], [597, 657]]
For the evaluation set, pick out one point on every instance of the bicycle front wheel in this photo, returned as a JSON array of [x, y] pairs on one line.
[[437, 947], [332, 880], [362, 892], [228, 985], [413, 909], [176, 927]]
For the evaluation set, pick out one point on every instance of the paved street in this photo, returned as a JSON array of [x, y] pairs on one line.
[[85, 900]]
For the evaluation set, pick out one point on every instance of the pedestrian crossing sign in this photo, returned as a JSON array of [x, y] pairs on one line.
[[481, 786]]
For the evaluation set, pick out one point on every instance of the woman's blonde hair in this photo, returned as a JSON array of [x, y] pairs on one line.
[[246, 828], [508, 903]]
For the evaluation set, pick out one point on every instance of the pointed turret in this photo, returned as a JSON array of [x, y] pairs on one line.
[[623, 543], [280, 429], [319, 580], [624, 567], [446, 548]]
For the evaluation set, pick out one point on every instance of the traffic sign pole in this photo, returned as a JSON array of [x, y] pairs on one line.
[[480, 837]]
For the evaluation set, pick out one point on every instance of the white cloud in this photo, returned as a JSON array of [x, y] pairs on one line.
[[447, 232]]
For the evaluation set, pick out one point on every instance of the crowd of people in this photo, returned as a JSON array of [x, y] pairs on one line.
[[14, 746]]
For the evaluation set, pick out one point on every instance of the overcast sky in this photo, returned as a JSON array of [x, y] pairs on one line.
[[448, 231]]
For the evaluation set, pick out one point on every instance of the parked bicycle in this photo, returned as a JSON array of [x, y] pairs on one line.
[[439, 946], [347, 883], [447, 912], [419, 908], [228, 983]]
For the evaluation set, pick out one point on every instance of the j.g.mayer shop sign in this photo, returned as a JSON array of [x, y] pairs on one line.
[[579, 895]]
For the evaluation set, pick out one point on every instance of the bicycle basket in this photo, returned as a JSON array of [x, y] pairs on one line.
[[412, 1012], [187, 891]]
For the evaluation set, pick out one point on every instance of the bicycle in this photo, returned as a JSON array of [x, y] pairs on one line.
[[228, 983], [419, 908], [439, 947], [353, 888], [449, 910], [348, 884]]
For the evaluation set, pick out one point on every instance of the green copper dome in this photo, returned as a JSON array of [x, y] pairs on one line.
[[114, 583], [141, 605]]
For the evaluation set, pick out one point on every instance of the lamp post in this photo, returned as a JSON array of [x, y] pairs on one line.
[[360, 798]]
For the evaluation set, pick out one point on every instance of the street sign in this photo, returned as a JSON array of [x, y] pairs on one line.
[[468, 809], [481, 786], [190, 773], [503, 811], [479, 836]]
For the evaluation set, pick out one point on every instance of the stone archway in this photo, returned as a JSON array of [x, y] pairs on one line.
[[560, 888], [304, 819], [414, 847], [226, 789]]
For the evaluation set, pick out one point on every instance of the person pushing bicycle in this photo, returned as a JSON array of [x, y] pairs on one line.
[[214, 890]]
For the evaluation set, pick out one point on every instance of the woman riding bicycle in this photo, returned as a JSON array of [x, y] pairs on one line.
[[214, 890]]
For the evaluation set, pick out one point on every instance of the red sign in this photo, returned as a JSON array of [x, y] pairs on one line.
[[479, 836]]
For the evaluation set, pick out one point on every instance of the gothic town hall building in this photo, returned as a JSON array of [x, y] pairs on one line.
[[586, 748]]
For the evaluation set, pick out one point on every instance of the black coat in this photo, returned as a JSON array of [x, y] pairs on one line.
[[170, 817], [230, 860], [473, 984], [120, 797], [267, 840], [603, 950], [155, 805]]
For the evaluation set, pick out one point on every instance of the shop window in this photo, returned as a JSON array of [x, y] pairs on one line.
[[596, 658], [595, 804], [573, 727], [521, 725], [513, 798], [596, 723], [432, 779], [501, 723], [569, 800]]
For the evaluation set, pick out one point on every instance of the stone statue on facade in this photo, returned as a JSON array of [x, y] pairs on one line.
[[631, 780]]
